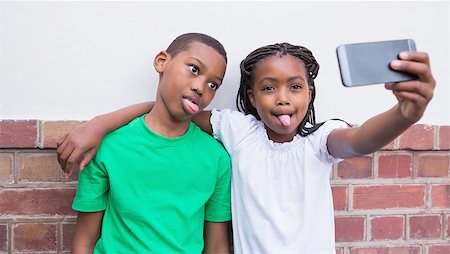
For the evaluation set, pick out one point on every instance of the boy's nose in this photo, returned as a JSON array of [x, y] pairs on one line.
[[197, 87]]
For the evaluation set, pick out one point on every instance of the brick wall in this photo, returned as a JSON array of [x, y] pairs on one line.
[[393, 201]]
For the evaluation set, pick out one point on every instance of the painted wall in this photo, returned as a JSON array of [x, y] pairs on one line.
[[75, 60]]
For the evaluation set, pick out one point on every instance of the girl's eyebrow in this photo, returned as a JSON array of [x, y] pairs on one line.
[[275, 79]]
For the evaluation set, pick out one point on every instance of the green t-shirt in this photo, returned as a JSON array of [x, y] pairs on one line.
[[156, 191]]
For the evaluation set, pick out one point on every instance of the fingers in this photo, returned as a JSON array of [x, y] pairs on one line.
[[74, 157], [87, 158], [417, 63], [63, 156]]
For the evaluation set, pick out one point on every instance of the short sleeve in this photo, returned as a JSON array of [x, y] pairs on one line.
[[93, 188], [231, 127], [319, 139], [218, 207]]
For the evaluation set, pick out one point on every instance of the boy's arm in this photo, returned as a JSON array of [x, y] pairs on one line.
[[216, 238], [413, 97], [87, 232], [79, 146]]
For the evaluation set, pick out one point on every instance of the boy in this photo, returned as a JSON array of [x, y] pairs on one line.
[[156, 183]]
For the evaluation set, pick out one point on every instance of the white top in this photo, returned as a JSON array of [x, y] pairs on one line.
[[281, 195]]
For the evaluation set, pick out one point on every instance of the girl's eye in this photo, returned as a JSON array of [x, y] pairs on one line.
[[296, 86], [213, 86], [268, 88], [194, 69]]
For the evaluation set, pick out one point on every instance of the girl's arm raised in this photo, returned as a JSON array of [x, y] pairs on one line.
[[79, 146], [413, 98]]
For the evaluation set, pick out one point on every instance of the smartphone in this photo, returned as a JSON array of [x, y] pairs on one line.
[[368, 63]]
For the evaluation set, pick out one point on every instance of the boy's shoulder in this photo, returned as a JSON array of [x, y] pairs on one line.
[[207, 140]]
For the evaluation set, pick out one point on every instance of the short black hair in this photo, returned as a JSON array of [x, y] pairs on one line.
[[183, 42]]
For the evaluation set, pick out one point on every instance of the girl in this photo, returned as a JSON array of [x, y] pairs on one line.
[[281, 159]]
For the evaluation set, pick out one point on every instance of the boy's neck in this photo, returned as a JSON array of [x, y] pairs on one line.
[[162, 123]]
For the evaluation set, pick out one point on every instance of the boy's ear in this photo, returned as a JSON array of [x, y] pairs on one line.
[[160, 61], [251, 97]]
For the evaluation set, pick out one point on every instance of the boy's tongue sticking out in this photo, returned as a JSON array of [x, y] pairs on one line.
[[285, 120], [192, 107]]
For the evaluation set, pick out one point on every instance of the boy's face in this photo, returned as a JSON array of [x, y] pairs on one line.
[[280, 93], [188, 81]]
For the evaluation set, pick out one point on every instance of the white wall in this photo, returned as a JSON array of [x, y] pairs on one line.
[[74, 60]]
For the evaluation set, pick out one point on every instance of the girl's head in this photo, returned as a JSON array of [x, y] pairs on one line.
[[277, 87]]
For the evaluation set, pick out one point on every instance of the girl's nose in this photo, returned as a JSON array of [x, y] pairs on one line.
[[283, 98]]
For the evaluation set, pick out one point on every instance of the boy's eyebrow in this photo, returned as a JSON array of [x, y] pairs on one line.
[[203, 65]]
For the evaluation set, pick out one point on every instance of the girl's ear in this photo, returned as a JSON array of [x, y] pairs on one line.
[[160, 61], [251, 97]]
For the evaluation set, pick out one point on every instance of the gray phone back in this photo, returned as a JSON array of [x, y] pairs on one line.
[[368, 63]]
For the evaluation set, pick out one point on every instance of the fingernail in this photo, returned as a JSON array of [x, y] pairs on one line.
[[396, 63], [403, 54]]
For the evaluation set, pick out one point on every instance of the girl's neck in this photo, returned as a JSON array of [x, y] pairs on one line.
[[279, 138]]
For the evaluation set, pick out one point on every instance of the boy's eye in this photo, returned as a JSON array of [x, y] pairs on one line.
[[213, 86], [194, 69]]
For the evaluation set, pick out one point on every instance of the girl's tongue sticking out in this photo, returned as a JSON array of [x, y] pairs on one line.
[[285, 120], [190, 106]]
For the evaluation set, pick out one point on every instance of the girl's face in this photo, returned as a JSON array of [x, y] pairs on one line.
[[280, 94]]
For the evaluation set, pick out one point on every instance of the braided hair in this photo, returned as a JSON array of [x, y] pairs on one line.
[[248, 66]]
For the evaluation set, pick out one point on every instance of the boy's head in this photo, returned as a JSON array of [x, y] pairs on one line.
[[255, 58], [183, 41], [191, 70]]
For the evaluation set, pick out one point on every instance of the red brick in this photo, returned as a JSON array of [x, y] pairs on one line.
[[387, 228], [425, 227], [439, 249], [68, 230], [36, 201], [432, 165], [54, 130], [388, 196], [448, 226], [394, 166], [386, 250], [34, 237], [339, 251], [42, 167], [18, 134], [6, 160], [349, 229], [359, 167], [390, 146], [3, 237], [339, 197], [440, 196], [418, 137], [444, 138]]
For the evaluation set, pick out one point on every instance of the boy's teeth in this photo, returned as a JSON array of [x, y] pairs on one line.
[[190, 105], [285, 120]]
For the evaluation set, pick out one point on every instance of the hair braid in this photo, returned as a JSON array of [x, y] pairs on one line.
[[247, 78]]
